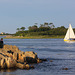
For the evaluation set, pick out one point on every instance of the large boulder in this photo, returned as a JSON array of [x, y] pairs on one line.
[[12, 57]]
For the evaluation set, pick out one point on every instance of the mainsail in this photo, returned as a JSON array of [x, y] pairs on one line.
[[70, 33]]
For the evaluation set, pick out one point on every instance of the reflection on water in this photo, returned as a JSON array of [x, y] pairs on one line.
[[7, 74], [7, 70]]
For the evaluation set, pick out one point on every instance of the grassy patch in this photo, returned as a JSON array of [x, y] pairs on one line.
[[33, 37]]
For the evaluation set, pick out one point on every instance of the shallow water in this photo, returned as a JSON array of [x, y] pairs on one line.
[[61, 53]]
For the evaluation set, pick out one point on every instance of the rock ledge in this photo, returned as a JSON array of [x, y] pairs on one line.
[[12, 57]]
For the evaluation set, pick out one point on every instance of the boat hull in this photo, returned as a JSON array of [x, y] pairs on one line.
[[68, 40]]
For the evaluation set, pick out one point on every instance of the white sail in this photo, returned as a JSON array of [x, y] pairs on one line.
[[70, 33]]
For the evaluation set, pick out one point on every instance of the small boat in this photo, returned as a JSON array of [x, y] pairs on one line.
[[70, 36]]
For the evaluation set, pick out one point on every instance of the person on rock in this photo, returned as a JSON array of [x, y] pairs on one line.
[[1, 43]]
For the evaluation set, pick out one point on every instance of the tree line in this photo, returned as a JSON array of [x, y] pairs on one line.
[[44, 29]]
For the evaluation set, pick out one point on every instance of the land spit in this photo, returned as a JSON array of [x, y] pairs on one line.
[[11, 58]]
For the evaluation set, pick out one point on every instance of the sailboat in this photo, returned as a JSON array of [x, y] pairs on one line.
[[70, 36]]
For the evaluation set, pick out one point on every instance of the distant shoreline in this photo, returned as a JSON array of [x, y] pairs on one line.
[[33, 37]]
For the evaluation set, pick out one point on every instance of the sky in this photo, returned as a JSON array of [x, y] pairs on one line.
[[24, 13]]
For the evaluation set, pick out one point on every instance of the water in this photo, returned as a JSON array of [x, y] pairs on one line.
[[61, 53]]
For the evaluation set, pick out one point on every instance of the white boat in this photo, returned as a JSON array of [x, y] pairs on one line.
[[70, 36]]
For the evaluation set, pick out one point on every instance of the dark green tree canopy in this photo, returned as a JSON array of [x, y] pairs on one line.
[[22, 28], [18, 29], [44, 29]]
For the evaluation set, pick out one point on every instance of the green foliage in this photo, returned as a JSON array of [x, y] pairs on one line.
[[22, 28], [44, 29], [32, 28], [18, 29]]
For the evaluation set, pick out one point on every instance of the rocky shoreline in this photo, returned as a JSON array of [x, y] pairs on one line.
[[13, 58]]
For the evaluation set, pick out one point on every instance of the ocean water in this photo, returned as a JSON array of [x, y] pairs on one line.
[[61, 53]]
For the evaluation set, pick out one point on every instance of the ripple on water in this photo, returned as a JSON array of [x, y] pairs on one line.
[[61, 53]]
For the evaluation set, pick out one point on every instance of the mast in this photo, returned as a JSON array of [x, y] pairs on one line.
[[69, 30]]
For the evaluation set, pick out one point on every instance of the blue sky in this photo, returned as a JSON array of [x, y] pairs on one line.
[[24, 13]]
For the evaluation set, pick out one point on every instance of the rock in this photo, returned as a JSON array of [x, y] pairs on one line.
[[12, 57], [20, 66], [11, 63], [2, 56], [3, 64], [15, 48], [9, 55], [7, 47], [51, 60], [21, 58], [31, 54], [24, 66], [31, 60], [27, 67], [64, 68], [15, 56], [10, 47], [0, 62], [39, 61], [32, 67], [10, 52]]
